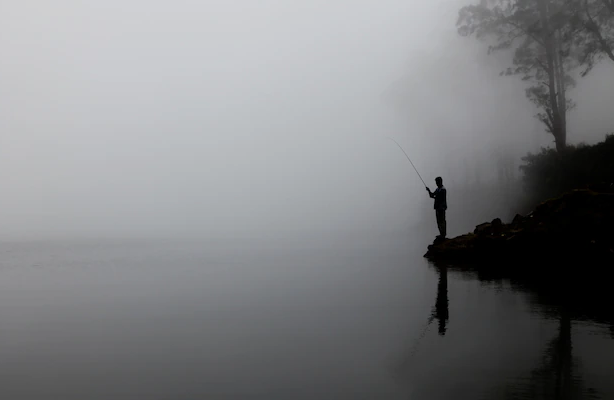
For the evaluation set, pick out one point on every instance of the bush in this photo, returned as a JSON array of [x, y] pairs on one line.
[[550, 173]]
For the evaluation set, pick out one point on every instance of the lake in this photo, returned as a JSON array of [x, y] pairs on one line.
[[321, 315]]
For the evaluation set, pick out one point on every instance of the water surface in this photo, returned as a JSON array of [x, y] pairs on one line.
[[297, 316]]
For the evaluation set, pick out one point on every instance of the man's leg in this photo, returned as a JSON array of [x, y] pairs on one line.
[[441, 222]]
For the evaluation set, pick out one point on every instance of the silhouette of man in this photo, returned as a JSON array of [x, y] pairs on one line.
[[441, 312], [440, 206]]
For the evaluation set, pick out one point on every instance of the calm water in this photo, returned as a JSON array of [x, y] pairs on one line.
[[285, 318]]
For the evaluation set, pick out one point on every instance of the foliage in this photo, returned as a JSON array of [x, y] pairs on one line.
[[589, 25], [550, 173], [540, 36], [593, 24]]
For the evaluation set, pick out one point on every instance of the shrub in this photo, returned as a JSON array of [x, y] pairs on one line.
[[550, 173]]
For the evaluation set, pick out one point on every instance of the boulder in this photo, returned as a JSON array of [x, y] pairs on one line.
[[578, 224], [518, 220], [496, 226], [483, 229]]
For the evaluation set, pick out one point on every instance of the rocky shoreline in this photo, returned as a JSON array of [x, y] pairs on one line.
[[575, 227]]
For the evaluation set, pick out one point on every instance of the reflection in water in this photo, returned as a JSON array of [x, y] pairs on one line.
[[440, 311], [558, 373], [553, 378], [510, 359]]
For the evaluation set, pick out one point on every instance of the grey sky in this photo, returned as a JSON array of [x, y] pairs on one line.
[[181, 116]]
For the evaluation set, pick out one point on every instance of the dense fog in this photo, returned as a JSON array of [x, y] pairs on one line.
[[217, 117]]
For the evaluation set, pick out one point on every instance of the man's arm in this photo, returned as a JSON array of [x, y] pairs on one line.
[[431, 194]]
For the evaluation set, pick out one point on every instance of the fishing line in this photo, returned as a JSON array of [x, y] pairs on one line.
[[407, 360], [412, 164]]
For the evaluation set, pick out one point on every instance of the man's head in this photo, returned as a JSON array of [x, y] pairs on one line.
[[439, 181]]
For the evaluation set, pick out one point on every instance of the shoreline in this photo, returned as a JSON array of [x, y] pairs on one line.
[[563, 251], [576, 227]]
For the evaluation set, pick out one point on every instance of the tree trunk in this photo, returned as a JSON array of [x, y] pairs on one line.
[[562, 98], [552, 69]]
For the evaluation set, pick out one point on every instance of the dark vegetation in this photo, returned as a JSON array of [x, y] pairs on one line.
[[550, 173]]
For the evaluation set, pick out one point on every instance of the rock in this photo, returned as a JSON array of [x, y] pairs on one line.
[[494, 227], [459, 247], [578, 224], [602, 187], [439, 240], [483, 229], [518, 219]]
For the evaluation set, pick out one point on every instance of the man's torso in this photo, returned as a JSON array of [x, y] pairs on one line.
[[440, 199]]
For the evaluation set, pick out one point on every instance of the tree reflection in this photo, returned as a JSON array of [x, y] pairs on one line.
[[558, 375]]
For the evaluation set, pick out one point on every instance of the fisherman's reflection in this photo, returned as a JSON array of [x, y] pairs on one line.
[[440, 311]]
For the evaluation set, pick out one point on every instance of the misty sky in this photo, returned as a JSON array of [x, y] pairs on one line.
[[141, 116]]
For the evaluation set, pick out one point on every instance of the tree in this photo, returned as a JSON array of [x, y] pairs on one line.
[[593, 21], [540, 35]]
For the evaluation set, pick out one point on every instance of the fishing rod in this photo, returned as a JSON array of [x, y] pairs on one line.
[[412, 164], [404, 366], [419, 339]]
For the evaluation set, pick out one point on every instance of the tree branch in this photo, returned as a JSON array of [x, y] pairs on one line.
[[516, 36], [545, 121], [594, 28], [609, 4], [525, 31], [541, 64], [550, 121]]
